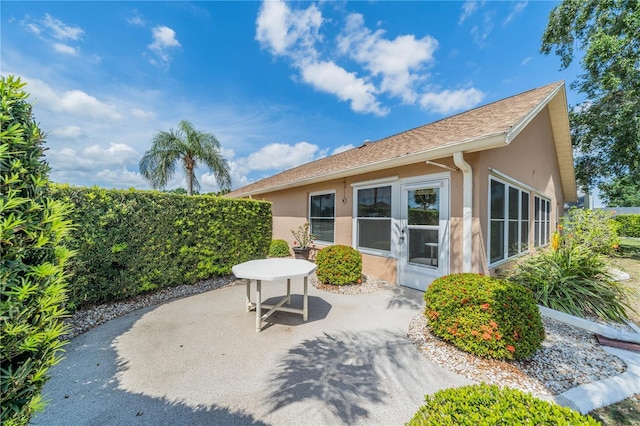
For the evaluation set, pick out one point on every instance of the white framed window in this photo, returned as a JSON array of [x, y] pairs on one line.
[[542, 220], [509, 220], [373, 213], [322, 216]]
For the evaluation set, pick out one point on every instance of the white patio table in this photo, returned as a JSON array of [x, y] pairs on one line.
[[274, 269]]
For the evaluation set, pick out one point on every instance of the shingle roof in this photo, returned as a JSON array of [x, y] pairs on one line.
[[497, 119]]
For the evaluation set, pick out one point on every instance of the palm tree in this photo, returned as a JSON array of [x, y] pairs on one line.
[[189, 146]]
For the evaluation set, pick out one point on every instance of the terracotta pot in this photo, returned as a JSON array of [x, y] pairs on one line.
[[301, 253]]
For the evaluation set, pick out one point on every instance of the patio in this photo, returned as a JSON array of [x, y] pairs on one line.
[[198, 360]]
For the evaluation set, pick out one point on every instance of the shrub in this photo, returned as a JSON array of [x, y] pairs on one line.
[[572, 279], [32, 227], [593, 229], [279, 248], [629, 225], [484, 316], [129, 242], [483, 404], [339, 265]]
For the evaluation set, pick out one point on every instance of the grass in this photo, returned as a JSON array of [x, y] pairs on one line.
[[626, 412], [628, 260]]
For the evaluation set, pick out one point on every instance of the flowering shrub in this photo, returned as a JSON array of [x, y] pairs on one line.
[[593, 229], [484, 404], [302, 236], [484, 316], [339, 265]]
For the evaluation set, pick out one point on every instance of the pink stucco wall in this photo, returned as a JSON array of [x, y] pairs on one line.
[[529, 159]]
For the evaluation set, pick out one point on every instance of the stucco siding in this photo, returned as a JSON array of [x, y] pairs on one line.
[[530, 159]]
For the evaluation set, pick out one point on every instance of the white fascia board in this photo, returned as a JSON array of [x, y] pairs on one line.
[[518, 127]]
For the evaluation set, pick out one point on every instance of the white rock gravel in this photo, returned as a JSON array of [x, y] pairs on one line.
[[569, 357], [85, 319]]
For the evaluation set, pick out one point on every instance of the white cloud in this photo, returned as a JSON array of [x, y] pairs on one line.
[[50, 29], [208, 183], [117, 153], [93, 158], [395, 67], [481, 32], [398, 61], [288, 32], [329, 77], [68, 132], [121, 178], [448, 101], [72, 101], [141, 114], [280, 156], [468, 9], [65, 48], [273, 157], [516, 9], [31, 27], [294, 34], [526, 60], [342, 148], [60, 30], [135, 19], [164, 38]]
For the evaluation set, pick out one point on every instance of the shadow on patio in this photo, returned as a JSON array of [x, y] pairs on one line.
[[342, 370]]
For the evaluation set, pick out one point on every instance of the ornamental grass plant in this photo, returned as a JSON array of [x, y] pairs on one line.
[[572, 277]]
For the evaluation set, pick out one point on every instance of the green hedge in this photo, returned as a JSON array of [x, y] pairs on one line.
[[629, 225], [129, 242], [482, 404]]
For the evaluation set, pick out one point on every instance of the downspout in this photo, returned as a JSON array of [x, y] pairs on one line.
[[467, 210]]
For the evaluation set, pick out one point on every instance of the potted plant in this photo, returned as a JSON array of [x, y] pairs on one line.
[[303, 238]]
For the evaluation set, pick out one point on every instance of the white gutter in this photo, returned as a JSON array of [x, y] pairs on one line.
[[467, 210]]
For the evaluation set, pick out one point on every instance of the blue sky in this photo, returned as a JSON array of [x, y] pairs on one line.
[[279, 84]]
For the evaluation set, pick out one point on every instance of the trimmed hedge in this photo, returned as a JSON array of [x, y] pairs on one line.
[[484, 316], [129, 242], [339, 265], [484, 405], [629, 225]]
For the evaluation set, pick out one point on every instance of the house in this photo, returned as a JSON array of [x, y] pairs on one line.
[[468, 193]]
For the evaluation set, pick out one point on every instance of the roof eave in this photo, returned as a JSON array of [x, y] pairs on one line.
[[480, 144]]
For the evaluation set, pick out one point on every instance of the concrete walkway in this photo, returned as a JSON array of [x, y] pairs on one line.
[[199, 361]]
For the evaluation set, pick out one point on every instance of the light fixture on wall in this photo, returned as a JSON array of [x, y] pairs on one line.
[[344, 191]]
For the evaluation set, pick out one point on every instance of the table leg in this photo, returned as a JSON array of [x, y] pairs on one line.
[[248, 295], [258, 307], [305, 301], [288, 291]]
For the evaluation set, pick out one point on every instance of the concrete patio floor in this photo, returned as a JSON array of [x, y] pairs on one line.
[[199, 361]]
